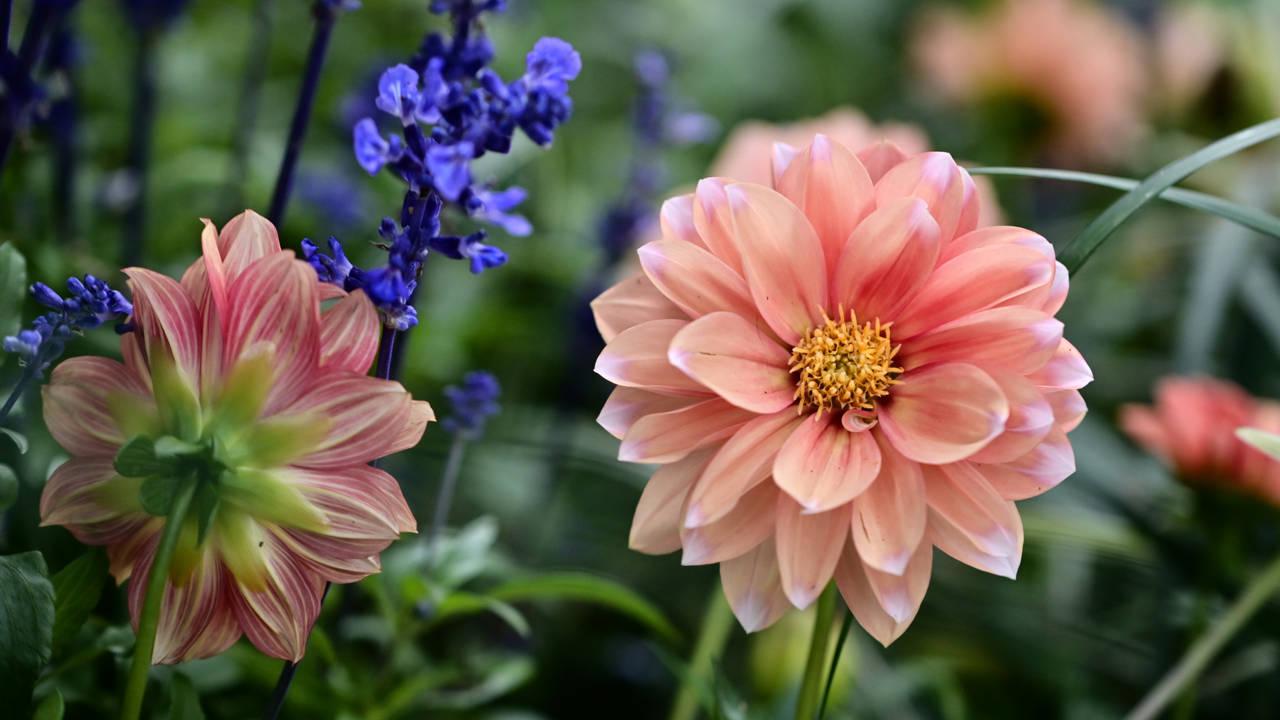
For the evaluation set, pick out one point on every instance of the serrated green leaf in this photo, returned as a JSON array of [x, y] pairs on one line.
[[583, 587], [26, 628], [8, 486], [138, 459], [1082, 246], [77, 588], [157, 495], [13, 286], [1268, 443], [18, 439], [51, 708], [184, 701]]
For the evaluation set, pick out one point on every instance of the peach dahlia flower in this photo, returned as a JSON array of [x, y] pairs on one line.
[[267, 393], [1192, 427], [836, 374]]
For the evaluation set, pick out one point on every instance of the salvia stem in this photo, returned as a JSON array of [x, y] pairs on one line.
[[250, 96], [811, 683], [717, 621], [28, 51], [1202, 651], [325, 18], [16, 392], [136, 686], [845, 626], [448, 483], [144, 110]]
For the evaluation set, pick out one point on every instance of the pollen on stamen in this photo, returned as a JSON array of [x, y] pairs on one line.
[[842, 365]]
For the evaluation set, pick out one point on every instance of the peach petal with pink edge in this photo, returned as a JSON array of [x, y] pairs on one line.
[[82, 400], [961, 496], [1143, 425], [743, 462], [881, 157], [782, 259], [900, 595], [781, 158], [675, 219], [996, 236], [823, 466], [665, 437], [627, 405], [713, 221], [167, 319], [944, 186], [953, 541], [855, 587], [753, 586], [633, 301], [274, 301], [973, 281], [886, 260], [637, 357], [196, 620], [1014, 340], [1068, 408], [694, 280], [1066, 370], [889, 517], [944, 413], [349, 334], [736, 359], [1030, 420], [748, 524], [1057, 296], [809, 546], [369, 418], [278, 618], [1039, 471], [828, 183], [655, 527]]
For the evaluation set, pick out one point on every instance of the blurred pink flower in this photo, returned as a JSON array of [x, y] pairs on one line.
[[838, 373], [1080, 65], [1190, 49], [269, 394], [1192, 427]]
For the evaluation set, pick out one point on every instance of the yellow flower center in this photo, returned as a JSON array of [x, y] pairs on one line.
[[842, 365]]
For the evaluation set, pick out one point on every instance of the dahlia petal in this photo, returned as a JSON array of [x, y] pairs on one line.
[[246, 239], [676, 221], [944, 413], [1030, 420], [1066, 370], [753, 586], [349, 334], [736, 359], [953, 541], [368, 418], [889, 517], [714, 221], [92, 406], [973, 281], [124, 550], [87, 496], [886, 260], [743, 462], [270, 497], [196, 619], [627, 405], [1041, 469], [781, 157], [167, 320], [944, 186], [1069, 408], [852, 577], [960, 495], [274, 301], [823, 466], [655, 527], [1058, 290], [900, 595], [665, 437], [782, 259], [1014, 340], [207, 273], [695, 280], [880, 158], [632, 302], [996, 236], [828, 183], [637, 357], [749, 523], [278, 619], [316, 551], [809, 546]]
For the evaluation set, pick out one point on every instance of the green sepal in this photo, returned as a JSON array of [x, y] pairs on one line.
[[205, 506], [244, 393], [138, 459], [176, 399], [157, 494], [169, 447]]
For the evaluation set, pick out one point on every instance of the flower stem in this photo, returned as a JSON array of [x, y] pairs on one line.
[[250, 99], [325, 18], [32, 40], [717, 621], [448, 482], [835, 662], [1202, 651], [136, 686], [140, 130], [16, 392], [811, 684]]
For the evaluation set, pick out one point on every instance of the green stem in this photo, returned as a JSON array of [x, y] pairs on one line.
[[811, 686], [717, 621], [835, 662], [1202, 651], [136, 687]]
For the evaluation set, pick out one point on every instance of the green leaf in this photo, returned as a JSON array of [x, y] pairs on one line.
[[462, 557], [13, 286], [18, 439], [459, 604], [8, 486], [26, 628], [51, 708], [1252, 218], [138, 459], [501, 677], [77, 588], [205, 507], [1268, 443], [157, 495], [1082, 246], [587, 588], [184, 701]]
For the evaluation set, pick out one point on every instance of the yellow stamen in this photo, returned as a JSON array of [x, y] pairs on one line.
[[842, 365]]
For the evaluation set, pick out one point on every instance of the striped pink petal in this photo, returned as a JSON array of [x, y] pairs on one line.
[[277, 619], [196, 619], [367, 417], [349, 334], [167, 320], [92, 406]]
